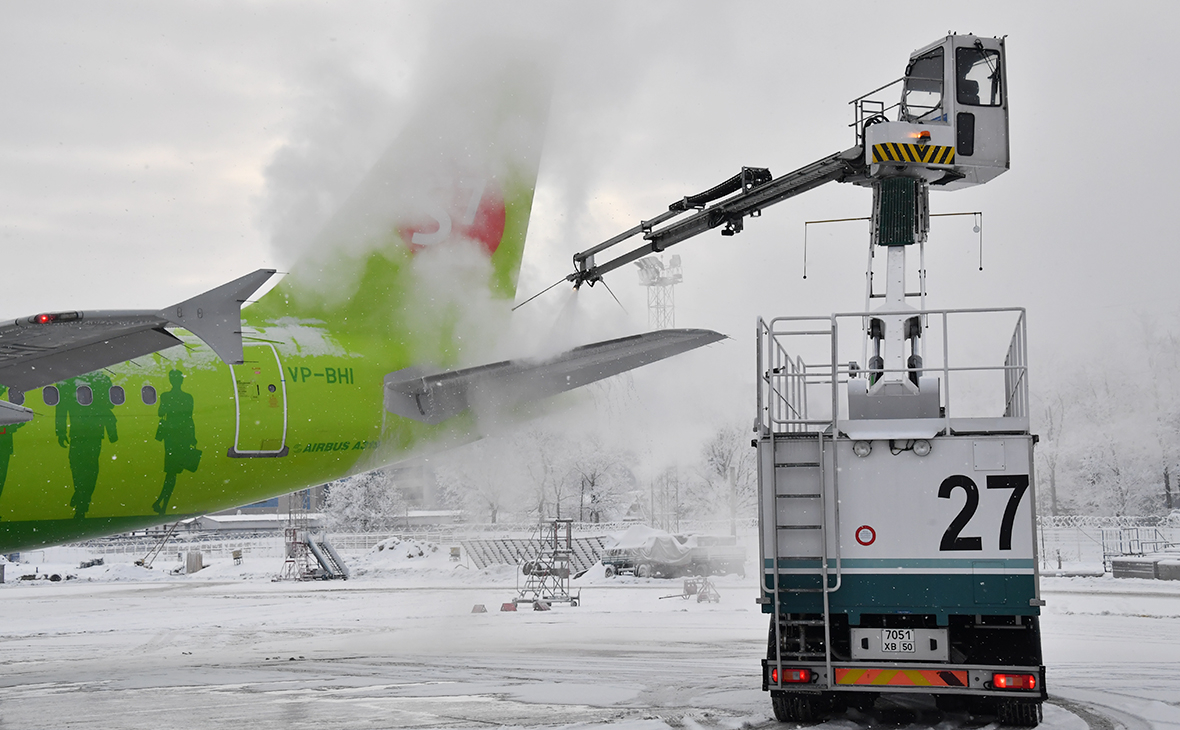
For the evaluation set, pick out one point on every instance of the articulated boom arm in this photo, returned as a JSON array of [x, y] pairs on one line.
[[757, 191]]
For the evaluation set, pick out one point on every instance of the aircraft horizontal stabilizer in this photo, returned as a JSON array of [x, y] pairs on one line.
[[51, 347], [433, 398]]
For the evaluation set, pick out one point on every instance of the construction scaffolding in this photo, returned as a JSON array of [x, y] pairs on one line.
[[546, 568], [297, 564]]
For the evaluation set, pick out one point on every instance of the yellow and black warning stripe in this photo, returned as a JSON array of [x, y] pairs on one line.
[[900, 152]]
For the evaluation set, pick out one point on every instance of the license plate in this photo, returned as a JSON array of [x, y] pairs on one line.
[[897, 640]]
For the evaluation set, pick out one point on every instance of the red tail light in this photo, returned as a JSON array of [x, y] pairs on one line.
[[791, 676], [1014, 681]]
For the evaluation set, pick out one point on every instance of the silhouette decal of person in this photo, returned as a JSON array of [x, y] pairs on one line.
[[6, 445], [179, 434], [81, 424]]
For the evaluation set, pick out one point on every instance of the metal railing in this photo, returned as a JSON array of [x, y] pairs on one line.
[[802, 363], [867, 111], [1119, 542], [786, 382]]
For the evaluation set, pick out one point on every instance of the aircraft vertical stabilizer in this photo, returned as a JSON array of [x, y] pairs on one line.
[[434, 234]]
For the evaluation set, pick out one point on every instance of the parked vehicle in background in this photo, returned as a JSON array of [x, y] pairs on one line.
[[647, 552]]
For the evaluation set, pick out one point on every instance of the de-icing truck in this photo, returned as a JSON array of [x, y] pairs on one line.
[[895, 460]]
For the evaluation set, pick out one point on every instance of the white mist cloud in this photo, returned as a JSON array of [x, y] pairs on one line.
[[473, 125]]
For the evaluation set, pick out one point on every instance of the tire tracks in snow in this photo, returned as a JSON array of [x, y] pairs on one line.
[[1098, 716]]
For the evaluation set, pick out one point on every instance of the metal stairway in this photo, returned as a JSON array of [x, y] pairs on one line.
[[331, 563], [799, 507]]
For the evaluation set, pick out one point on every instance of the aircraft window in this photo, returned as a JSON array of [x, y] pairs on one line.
[[922, 98], [84, 395], [148, 393], [16, 398], [50, 395], [118, 397], [977, 77], [271, 387]]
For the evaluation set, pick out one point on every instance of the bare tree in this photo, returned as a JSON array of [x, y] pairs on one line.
[[1163, 360], [601, 475], [546, 454], [669, 499], [1050, 448], [728, 474]]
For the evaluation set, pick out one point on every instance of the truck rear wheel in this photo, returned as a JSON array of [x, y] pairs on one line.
[[609, 571], [1019, 714], [643, 570], [796, 707]]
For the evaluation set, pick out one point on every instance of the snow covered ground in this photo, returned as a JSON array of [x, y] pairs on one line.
[[398, 646]]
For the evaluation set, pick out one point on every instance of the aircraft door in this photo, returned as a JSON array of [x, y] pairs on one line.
[[260, 397]]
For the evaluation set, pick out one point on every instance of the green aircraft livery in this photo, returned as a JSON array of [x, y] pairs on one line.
[[374, 347], [417, 268]]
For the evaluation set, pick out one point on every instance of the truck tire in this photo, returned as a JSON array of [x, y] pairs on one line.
[[643, 570], [795, 707], [609, 571], [1018, 714]]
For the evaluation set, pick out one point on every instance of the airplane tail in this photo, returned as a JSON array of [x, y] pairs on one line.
[[426, 252]]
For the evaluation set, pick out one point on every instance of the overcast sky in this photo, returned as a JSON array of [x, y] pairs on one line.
[[149, 151]]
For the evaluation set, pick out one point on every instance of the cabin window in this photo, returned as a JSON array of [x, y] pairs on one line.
[[118, 397], [148, 393], [50, 395], [16, 398], [977, 77], [922, 98], [84, 395]]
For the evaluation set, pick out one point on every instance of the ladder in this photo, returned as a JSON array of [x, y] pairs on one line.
[[796, 475]]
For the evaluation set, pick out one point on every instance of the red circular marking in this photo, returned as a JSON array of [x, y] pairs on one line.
[[872, 535]]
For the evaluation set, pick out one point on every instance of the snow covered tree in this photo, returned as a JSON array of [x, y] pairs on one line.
[[483, 479], [368, 502]]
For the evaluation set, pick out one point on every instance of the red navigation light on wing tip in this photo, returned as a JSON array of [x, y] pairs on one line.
[[1014, 681], [50, 317], [791, 676]]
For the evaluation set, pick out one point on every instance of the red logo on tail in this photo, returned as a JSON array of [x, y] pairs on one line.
[[472, 209]]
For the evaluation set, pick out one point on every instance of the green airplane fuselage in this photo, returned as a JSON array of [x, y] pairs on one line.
[[180, 433]]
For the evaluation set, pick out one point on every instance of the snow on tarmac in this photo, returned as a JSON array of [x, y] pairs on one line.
[[397, 646]]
